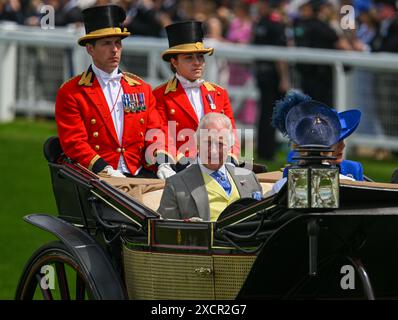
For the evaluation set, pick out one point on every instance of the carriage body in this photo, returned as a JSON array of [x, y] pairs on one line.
[[119, 248]]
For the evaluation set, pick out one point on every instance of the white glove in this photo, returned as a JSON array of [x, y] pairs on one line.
[[110, 172], [165, 171]]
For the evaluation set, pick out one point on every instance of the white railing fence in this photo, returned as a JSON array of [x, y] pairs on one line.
[[35, 62]]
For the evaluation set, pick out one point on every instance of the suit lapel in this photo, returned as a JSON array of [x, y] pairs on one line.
[[128, 119], [239, 181], [97, 98], [181, 99], [193, 179]]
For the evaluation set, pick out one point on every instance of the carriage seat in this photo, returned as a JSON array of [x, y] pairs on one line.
[[52, 149], [149, 191], [146, 191]]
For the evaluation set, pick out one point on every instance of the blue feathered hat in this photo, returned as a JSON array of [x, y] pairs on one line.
[[349, 120], [282, 108], [312, 122]]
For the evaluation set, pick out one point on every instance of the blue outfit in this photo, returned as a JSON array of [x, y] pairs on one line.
[[352, 169], [309, 122]]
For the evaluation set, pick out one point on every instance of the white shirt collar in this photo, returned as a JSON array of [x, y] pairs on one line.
[[223, 169], [104, 77], [186, 84]]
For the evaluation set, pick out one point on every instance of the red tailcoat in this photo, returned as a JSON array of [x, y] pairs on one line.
[[86, 129], [173, 105]]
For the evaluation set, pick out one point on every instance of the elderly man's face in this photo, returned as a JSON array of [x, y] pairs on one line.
[[214, 146]]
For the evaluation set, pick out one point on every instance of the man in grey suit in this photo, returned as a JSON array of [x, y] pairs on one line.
[[205, 188]]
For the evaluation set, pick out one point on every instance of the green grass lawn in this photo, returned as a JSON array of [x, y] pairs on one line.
[[25, 188]]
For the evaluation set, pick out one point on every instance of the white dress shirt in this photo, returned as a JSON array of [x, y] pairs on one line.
[[112, 89], [192, 89]]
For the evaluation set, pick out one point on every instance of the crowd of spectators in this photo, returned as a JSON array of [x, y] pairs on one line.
[[301, 23], [230, 20]]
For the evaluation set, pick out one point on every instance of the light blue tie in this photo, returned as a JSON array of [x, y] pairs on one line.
[[223, 181]]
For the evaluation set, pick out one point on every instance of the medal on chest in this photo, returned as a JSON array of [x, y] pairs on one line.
[[210, 100], [133, 102]]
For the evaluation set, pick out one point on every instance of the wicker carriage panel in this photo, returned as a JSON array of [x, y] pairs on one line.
[[230, 272], [168, 276], [138, 271], [180, 276]]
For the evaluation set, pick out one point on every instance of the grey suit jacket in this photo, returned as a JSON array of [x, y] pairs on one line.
[[185, 194]]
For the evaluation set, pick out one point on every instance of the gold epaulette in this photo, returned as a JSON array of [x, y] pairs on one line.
[[132, 79], [86, 78], [171, 85], [213, 86]]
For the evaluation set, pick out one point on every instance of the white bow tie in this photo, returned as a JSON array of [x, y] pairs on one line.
[[191, 84], [111, 78]]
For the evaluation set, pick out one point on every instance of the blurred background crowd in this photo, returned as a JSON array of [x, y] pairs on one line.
[[34, 63], [372, 26], [237, 21]]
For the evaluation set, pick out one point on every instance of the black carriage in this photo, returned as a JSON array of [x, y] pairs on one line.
[[112, 245]]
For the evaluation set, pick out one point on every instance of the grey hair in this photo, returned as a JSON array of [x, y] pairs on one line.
[[215, 117]]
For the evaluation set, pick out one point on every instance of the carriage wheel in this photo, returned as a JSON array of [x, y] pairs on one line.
[[53, 273]]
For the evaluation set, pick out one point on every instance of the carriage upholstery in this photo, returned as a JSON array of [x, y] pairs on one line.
[[149, 191], [52, 149], [146, 191]]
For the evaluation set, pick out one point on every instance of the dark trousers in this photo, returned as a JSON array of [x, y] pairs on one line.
[[268, 85], [317, 82]]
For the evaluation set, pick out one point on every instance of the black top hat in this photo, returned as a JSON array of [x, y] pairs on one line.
[[103, 21], [185, 37]]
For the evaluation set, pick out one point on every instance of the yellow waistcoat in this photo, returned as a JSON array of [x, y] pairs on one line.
[[218, 199]]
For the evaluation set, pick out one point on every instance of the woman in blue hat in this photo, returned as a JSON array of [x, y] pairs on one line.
[[306, 121]]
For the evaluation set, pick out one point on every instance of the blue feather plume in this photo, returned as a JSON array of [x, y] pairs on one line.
[[282, 107]]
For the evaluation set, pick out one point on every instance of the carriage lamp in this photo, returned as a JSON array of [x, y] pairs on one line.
[[325, 187], [312, 184], [313, 187]]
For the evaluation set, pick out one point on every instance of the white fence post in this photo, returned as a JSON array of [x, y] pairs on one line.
[[8, 74], [80, 59], [340, 87]]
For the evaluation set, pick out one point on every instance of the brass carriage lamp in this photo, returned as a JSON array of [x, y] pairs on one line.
[[311, 183]]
